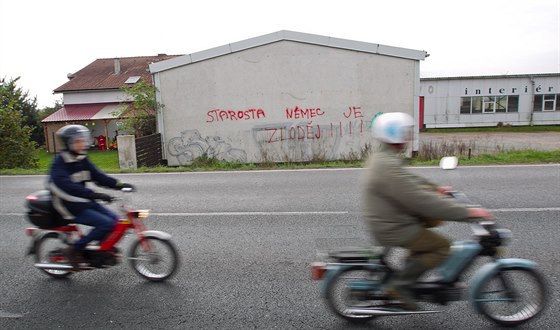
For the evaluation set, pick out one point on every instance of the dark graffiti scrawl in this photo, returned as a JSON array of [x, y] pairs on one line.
[[191, 145]]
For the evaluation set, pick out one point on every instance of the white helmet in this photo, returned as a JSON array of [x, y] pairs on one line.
[[393, 128]]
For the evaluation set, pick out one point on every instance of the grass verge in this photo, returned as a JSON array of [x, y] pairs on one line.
[[108, 162]]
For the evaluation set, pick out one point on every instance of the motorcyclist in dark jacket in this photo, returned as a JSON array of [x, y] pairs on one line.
[[69, 173]]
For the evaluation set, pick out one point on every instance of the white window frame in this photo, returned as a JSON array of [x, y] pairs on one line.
[[545, 101], [492, 101]]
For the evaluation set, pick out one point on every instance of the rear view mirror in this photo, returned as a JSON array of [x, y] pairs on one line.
[[448, 163]]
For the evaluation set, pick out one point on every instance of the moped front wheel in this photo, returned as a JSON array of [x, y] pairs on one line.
[[154, 259], [512, 296], [50, 250], [354, 289]]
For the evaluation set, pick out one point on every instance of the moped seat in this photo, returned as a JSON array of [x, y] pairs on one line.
[[349, 256]]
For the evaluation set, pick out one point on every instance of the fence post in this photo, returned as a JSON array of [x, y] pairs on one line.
[[127, 151]]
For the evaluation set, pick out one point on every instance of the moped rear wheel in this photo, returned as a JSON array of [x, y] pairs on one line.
[[353, 289], [512, 296], [154, 259], [50, 250]]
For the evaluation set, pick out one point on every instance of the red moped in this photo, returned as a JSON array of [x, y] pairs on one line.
[[152, 255]]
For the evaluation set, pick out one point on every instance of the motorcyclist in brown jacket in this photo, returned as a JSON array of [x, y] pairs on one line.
[[397, 205]]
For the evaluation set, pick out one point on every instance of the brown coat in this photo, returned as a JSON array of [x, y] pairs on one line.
[[395, 200]]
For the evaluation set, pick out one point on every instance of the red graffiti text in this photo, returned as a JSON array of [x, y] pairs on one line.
[[299, 113], [234, 115], [356, 111]]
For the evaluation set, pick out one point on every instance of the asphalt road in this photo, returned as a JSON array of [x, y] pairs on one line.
[[246, 240]]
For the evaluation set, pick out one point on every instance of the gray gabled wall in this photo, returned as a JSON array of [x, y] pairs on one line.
[[280, 101]]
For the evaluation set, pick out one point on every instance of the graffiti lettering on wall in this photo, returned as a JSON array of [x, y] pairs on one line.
[[370, 123], [295, 137], [355, 112], [309, 130], [234, 115], [299, 113], [191, 145]]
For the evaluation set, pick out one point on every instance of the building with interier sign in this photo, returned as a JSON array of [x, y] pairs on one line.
[[529, 99]]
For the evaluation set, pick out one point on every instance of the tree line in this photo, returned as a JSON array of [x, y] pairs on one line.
[[21, 131]]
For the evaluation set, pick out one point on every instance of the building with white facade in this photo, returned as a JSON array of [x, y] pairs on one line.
[[284, 96], [528, 99]]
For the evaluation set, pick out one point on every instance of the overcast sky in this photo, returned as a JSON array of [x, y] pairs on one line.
[[42, 41]]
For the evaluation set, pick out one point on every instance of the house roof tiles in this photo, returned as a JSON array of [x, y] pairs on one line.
[[78, 112], [110, 73]]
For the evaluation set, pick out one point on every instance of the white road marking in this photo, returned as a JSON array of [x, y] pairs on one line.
[[264, 213]]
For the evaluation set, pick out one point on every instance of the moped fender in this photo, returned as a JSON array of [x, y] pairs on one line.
[[38, 236], [157, 234], [489, 270], [333, 270]]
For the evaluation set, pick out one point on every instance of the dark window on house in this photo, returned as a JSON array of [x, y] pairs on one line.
[[513, 103], [466, 104], [493, 104], [557, 102], [537, 103]]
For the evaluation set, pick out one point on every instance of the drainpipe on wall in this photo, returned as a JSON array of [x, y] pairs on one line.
[[532, 100], [160, 126]]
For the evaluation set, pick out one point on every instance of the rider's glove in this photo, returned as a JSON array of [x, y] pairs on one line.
[[122, 185], [102, 196]]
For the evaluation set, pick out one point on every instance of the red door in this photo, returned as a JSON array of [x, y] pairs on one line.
[[421, 115]]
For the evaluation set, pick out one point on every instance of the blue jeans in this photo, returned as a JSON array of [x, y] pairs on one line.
[[102, 219]]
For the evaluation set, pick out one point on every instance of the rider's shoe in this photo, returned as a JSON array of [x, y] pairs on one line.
[[403, 296], [399, 287], [75, 257]]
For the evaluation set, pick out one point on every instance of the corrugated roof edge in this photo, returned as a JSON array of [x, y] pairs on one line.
[[527, 75], [289, 36]]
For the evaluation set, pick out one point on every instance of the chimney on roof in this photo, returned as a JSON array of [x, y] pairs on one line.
[[117, 66]]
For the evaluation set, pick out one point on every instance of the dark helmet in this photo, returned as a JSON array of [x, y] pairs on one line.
[[69, 133]]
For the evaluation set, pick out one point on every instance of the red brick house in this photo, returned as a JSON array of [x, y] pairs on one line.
[[93, 95]]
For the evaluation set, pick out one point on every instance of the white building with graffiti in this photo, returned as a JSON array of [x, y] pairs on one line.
[[285, 96], [478, 101]]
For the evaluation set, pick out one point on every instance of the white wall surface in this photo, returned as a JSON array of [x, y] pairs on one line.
[[285, 101], [94, 97]]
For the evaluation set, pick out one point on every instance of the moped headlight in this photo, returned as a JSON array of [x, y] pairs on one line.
[[140, 213]]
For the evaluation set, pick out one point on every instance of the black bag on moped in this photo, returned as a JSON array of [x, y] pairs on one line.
[[41, 212]]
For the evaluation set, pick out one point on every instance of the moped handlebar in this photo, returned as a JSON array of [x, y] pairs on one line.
[[110, 199], [462, 198]]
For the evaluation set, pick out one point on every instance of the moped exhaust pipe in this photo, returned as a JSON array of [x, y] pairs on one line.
[[385, 311], [54, 266]]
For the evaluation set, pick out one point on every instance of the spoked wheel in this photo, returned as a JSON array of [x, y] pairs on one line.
[[154, 259], [354, 289], [512, 296], [50, 250]]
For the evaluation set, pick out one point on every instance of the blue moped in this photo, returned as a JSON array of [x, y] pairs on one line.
[[507, 291]]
